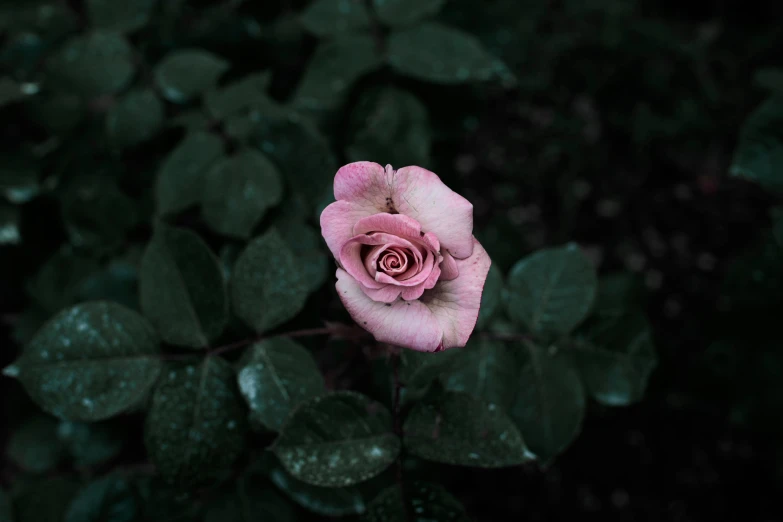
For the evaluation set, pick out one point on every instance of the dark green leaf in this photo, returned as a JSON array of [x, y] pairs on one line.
[[759, 154], [307, 246], [268, 287], [551, 291], [425, 503], [19, 178], [274, 377], [90, 362], [6, 514], [244, 94], [196, 425], [406, 12], [10, 91], [109, 499], [330, 17], [301, 152], [491, 298], [391, 124], [59, 112], [9, 225], [57, 283], [45, 500], [770, 79], [455, 428], [185, 74], [420, 369], [49, 18], [181, 289], [92, 64], [193, 121], [180, 179], [250, 501], [238, 191], [485, 369], [126, 16], [91, 444], [332, 70], [550, 402], [136, 118], [118, 281], [34, 447], [337, 440], [330, 502], [440, 54]]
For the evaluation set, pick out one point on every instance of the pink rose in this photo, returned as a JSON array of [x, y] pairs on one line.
[[411, 272]]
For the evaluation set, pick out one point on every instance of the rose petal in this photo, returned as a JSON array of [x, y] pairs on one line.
[[448, 268], [351, 261], [386, 294], [337, 222], [410, 293], [371, 259], [396, 224], [423, 273], [455, 304]]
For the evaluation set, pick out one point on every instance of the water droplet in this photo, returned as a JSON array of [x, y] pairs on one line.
[[474, 456], [231, 425], [87, 403], [11, 371]]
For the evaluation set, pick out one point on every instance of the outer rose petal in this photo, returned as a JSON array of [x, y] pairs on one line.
[[449, 268], [443, 318], [337, 222], [396, 224], [364, 183]]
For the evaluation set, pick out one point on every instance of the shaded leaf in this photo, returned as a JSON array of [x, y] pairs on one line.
[[244, 94], [550, 402], [268, 286], [196, 425], [118, 281], [181, 289], [770, 79], [136, 118], [10, 91], [552, 290], [337, 440], [91, 444], [440, 54], [330, 502], [90, 362], [34, 447], [92, 64], [250, 500], [45, 500], [110, 498], [238, 191], [19, 178], [59, 112], [307, 246], [425, 503], [274, 377], [9, 225], [491, 298], [420, 369], [392, 124], [330, 17], [405, 12], [57, 283], [485, 369], [180, 179], [186, 73], [127, 16], [759, 154]]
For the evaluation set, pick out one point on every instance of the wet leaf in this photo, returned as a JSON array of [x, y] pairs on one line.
[[425, 502], [330, 502], [485, 369], [405, 12], [186, 73], [331, 17], [136, 118]]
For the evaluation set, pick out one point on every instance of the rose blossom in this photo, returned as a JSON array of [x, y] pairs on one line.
[[411, 272]]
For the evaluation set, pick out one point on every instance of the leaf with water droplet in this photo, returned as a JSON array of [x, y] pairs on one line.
[[551, 291], [331, 17], [186, 73], [337, 440], [238, 191], [181, 289], [392, 124], [92, 64], [107, 498], [180, 178], [435, 53], [426, 502], [74, 365], [92, 444], [330, 502], [274, 377], [126, 16], [397, 13], [136, 118], [195, 427], [34, 447], [455, 428], [267, 286], [550, 402]]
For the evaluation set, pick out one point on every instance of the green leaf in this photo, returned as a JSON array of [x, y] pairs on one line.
[[274, 377], [59, 112], [440, 54], [90, 362], [392, 124], [268, 287], [425, 503], [136, 118], [185, 74], [118, 281], [337, 440], [181, 290], [6, 514], [551, 291], [196, 425], [455, 428], [57, 283], [420, 369], [250, 501], [330, 502], [550, 402], [9, 225], [180, 179], [307, 246], [242, 95], [405, 12], [126, 17], [110, 498], [759, 154], [45, 500], [485, 369], [91, 444], [238, 191], [491, 298], [301, 152], [19, 178], [10, 91], [34, 447], [332, 71], [92, 64], [331, 17]]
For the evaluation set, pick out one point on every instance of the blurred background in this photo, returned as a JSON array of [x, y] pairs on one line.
[[611, 123]]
